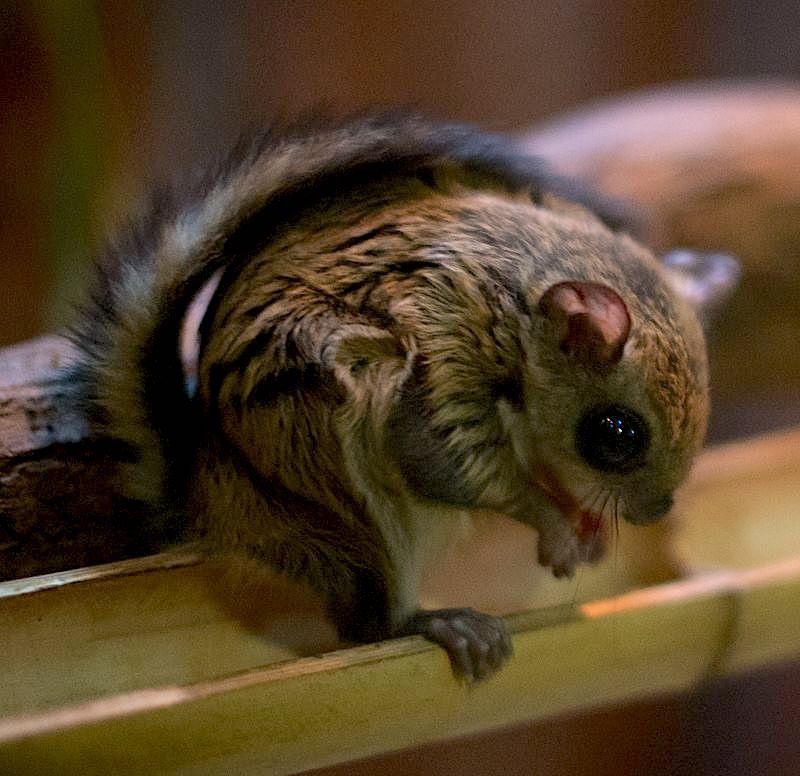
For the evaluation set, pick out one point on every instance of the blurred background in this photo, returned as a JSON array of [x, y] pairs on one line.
[[99, 99]]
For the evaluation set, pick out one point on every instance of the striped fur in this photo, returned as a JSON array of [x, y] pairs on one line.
[[374, 362]]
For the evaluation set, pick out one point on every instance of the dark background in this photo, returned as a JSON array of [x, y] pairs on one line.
[[97, 99]]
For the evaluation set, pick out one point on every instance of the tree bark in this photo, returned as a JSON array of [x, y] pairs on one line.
[[60, 504]]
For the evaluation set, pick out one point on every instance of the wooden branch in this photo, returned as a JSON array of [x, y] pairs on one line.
[[713, 166], [59, 500]]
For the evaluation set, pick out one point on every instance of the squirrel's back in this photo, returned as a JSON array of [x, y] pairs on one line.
[[221, 219]]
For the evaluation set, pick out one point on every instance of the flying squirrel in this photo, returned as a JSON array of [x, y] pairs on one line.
[[324, 351]]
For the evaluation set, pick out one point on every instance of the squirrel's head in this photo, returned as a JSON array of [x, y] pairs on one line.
[[556, 354], [626, 358], [619, 341]]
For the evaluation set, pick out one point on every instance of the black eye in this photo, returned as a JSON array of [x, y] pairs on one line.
[[612, 439]]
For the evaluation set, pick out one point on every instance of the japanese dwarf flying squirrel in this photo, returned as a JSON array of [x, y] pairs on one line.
[[339, 340]]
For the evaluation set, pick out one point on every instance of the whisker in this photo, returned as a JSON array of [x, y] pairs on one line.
[[596, 497], [589, 498], [604, 512]]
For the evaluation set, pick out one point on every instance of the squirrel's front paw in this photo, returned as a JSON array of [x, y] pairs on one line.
[[562, 548], [477, 644]]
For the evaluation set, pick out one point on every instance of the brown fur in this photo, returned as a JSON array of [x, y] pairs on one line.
[[374, 361]]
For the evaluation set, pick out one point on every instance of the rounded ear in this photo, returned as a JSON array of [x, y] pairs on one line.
[[704, 280], [591, 321], [358, 352]]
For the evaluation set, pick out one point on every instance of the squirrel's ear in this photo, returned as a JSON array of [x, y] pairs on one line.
[[704, 280], [591, 321], [356, 353]]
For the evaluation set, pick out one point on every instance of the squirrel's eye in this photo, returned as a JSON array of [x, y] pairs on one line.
[[612, 439]]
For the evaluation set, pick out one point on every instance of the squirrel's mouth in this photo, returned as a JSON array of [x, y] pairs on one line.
[[589, 525]]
